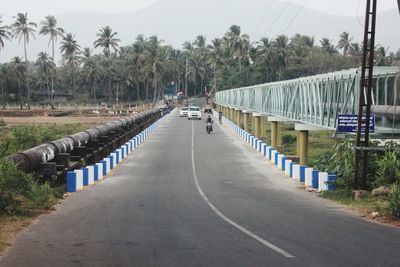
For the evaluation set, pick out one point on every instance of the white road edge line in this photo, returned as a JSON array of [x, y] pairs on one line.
[[226, 219]]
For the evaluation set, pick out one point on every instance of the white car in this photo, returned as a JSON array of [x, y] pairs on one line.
[[184, 112], [194, 113]]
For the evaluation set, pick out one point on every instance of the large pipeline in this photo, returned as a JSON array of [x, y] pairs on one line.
[[31, 159], [390, 112]]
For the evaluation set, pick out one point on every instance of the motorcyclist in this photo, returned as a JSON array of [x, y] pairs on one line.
[[209, 120], [220, 116]]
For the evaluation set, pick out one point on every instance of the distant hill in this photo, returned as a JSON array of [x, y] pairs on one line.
[[176, 21]]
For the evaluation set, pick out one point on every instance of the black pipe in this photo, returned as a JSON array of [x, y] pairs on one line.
[[31, 159]]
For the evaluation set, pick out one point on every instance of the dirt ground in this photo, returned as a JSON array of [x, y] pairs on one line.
[[86, 120], [9, 228]]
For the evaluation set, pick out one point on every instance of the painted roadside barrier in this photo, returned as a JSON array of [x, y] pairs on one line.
[[79, 179], [311, 178]]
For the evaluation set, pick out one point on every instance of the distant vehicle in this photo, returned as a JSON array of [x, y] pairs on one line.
[[194, 113], [183, 112]]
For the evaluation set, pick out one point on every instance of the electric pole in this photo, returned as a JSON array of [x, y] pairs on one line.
[[365, 101], [186, 77]]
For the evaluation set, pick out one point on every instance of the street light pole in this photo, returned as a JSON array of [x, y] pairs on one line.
[[186, 77]]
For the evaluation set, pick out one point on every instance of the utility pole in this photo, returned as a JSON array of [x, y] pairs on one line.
[[186, 77], [398, 4], [365, 101]]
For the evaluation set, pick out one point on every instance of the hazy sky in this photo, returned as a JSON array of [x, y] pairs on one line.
[[37, 9]]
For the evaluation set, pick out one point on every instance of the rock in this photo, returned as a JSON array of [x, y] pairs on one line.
[[360, 194], [381, 191], [375, 215]]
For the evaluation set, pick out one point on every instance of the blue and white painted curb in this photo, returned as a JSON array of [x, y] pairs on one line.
[[316, 179], [86, 176]]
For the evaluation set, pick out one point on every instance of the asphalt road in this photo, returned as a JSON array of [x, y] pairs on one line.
[[187, 198]]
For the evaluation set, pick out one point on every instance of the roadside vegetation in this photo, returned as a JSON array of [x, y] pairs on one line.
[[21, 193], [382, 198]]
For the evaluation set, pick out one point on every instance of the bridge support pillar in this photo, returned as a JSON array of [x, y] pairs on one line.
[[246, 120], [237, 117], [257, 125], [302, 140], [276, 139], [263, 126], [232, 114]]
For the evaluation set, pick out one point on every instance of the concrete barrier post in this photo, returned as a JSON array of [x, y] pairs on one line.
[[302, 173], [98, 171], [296, 172], [308, 176], [322, 180], [287, 166], [72, 182], [283, 163], [315, 175]]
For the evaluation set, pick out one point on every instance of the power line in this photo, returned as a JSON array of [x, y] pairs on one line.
[[263, 16], [279, 14], [295, 16]]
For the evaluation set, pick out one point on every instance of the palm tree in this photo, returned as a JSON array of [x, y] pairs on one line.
[[23, 29], [264, 55], [45, 66], [216, 59], [344, 42], [49, 27], [5, 34], [281, 45], [328, 46], [18, 70], [92, 73], [70, 54], [238, 44], [106, 39]]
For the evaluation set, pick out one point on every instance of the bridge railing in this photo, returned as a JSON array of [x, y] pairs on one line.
[[315, 100]]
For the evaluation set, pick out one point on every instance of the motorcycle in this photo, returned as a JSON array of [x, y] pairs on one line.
[[209, 127]]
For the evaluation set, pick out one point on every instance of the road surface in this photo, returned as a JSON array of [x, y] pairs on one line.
[[186, 198]]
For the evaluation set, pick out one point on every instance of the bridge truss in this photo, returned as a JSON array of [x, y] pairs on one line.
[[315, 100]]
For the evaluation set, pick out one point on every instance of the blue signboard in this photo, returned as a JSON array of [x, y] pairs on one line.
[[348, 123]]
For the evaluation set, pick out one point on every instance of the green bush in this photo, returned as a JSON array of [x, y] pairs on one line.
[[388, 169], [394, 200], [288, 139], [20, 193], [339, 161]]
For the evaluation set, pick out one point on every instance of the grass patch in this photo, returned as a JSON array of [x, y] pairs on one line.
[[364, 206]]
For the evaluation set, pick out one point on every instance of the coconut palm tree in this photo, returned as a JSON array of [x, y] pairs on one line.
[[281, 45], [18, 70], [344, 42], [92, 73], [265, 55], [23, 29], [70, 54], [238, 44], [107, 40], [45, 66], [5, 34], [327, 46], [49, 27], [216, 59]]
